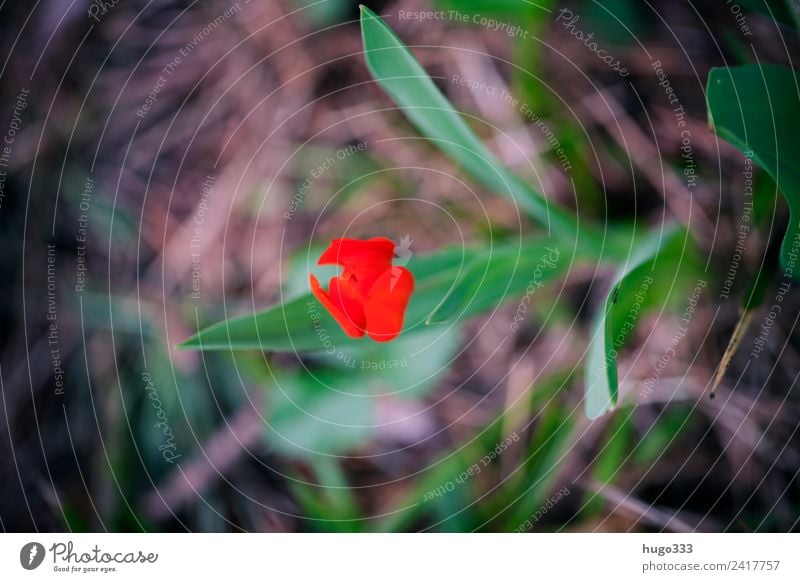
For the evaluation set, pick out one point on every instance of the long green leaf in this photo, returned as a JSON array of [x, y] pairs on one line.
[[302, 324], [508, 272], [645, 281], [407, 83], [757, 109]]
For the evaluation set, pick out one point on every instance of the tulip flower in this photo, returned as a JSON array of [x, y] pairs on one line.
[[370, 295]]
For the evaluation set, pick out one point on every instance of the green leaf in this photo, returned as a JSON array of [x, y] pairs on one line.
[[407, 83], [645, 281], [302, 324], [511, 271], [408, 367], [282, 328], [757, 109], [329, 407], [308, 414]]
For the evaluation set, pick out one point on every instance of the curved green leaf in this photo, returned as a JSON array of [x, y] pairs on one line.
[[645, 282], [757, 109]]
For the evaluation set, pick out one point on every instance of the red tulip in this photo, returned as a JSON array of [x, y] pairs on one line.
[[370, 295]]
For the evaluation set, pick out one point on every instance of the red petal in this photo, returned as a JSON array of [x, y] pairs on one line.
[[386, 303], [350, 251], [363, 260], [346, 296], [345, 309]]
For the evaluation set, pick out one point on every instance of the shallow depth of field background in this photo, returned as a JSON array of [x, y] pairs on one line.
[[173, 164]]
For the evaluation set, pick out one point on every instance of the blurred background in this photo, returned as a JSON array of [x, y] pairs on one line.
[[167, 165]]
